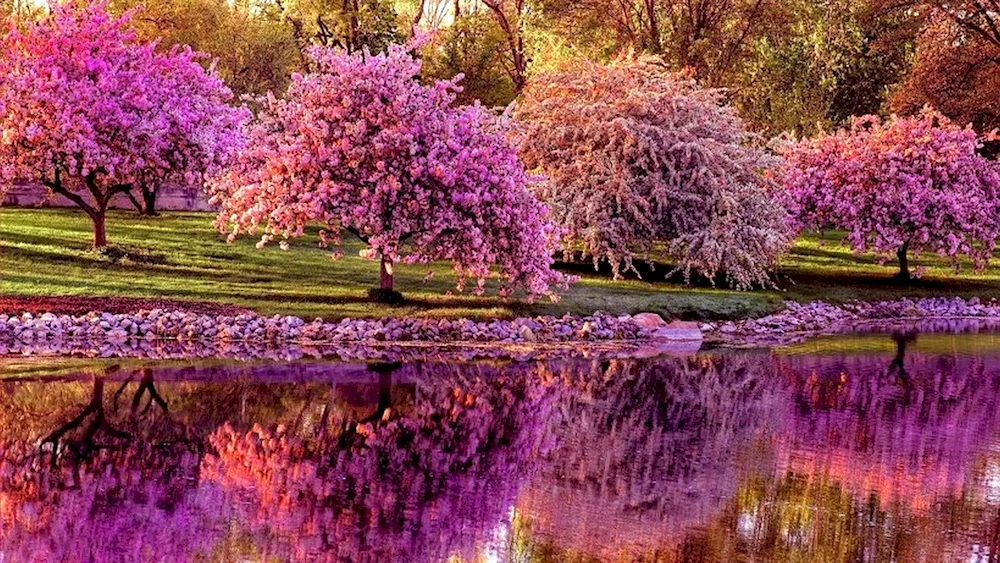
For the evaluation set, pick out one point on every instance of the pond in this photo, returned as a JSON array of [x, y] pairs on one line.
[[862, 448]]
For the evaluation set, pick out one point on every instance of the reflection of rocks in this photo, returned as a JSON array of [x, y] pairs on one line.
[[373, 351]]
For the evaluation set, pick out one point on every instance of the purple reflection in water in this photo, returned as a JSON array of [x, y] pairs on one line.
[[882, 448]]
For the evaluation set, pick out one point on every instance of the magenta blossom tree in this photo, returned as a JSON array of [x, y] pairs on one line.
[[91, 113], [899, 186], [360, 145], [200, 131]]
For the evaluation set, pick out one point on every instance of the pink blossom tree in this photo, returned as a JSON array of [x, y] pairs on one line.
[[200, 131], [360, 145], [642, 163], [91, 112], [898, 186]]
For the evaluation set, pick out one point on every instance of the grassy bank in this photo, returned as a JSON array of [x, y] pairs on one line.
[[180, 256]]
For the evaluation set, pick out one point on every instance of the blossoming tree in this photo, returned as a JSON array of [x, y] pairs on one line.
[[359, 144], [91, 113], [641, 162], [897, 186]]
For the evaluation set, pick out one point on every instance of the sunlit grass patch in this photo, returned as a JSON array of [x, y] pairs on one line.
[[180, 256]]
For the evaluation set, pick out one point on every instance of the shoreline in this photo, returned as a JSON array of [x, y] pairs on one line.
[[160, 325], [163, 334], [799, 322]]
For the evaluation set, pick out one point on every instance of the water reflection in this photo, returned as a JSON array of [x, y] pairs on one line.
[[861, 449]]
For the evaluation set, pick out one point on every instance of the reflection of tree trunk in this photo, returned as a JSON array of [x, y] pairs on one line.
[[146, 385], [99, 422], [898, 363], [324, 418], [995, 538], [385, 372]]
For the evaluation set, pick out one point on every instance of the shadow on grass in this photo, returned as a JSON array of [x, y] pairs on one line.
[[445, 302], [832, 253], [652, 272], [878, 285]]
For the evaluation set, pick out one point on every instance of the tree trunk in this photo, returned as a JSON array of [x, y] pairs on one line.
[[148, 202], [385, 281], [904, 263], [100, 234], [654, 27]]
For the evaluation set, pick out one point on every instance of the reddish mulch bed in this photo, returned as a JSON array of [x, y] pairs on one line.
[[69, 305]]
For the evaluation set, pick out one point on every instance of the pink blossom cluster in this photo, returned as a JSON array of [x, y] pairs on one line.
[[913, 183], [360, 144], [91, 112]]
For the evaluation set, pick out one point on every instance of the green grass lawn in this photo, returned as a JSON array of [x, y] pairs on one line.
[[180, 256]]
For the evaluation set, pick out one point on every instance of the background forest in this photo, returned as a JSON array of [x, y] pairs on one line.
[[788, 65]]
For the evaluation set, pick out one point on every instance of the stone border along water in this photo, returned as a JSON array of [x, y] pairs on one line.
[[175, 334], [188, 326], [798, 322]]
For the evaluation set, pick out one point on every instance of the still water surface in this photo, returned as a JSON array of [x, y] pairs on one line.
[[843, 449]]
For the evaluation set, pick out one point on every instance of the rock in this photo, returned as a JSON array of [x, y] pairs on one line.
[[678, 331], [526, 334], [649, 321]]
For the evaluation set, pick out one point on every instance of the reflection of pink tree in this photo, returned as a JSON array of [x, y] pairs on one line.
[[907, 425], [95, 492], [418, 485], [881, 457], [646, 449]]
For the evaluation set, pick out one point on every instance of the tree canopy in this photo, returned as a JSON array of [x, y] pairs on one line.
[[360, 145], [898, 186], [90, 111], [642, 163]]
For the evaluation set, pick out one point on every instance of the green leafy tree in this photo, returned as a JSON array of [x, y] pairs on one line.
[[472, 46], [253, 49], [834, 62], [348, 24]]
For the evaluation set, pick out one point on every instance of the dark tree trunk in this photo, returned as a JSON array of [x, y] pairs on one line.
[[148, 202], [100, 234], [654, 27], [904, 262], [135, 203], [385, 280]]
